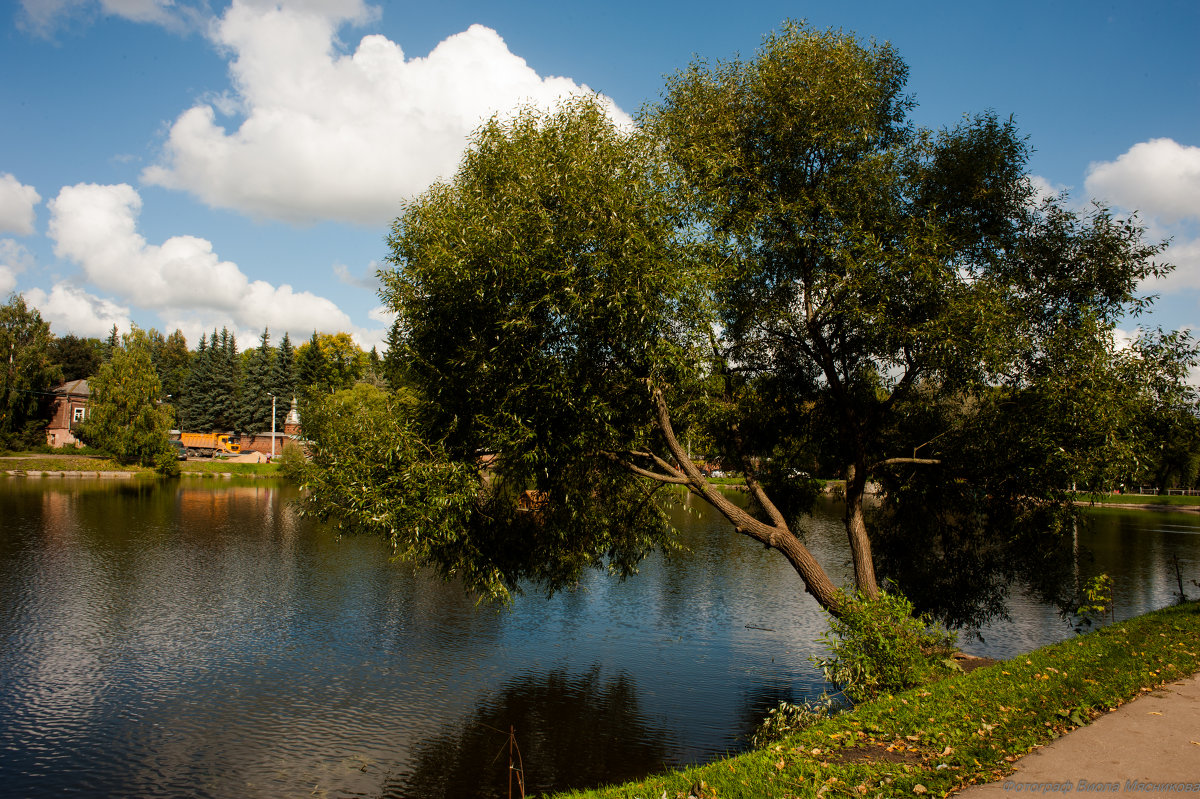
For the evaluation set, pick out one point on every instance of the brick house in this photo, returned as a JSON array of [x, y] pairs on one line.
[[70, 406], [261, 442]]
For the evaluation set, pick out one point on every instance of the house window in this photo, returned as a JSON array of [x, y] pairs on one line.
[[77, 415]]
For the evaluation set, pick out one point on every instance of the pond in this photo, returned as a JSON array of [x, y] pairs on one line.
[[197, 638]]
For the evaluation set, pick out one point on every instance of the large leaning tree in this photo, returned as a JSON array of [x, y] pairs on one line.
[[774, 260]]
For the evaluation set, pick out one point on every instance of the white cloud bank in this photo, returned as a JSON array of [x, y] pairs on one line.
[[15, 258], [71, 310], [95, 227], [340, 136], [17, 202], [1160, 179]]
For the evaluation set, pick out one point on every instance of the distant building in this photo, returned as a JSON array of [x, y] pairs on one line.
[[70, 404], [291, 423], [262, 442]]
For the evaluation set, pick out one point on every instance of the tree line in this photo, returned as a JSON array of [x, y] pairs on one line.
[[212, 388]]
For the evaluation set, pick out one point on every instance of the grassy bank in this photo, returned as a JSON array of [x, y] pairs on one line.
[[208, 468], [63, 463], [35, 462], [1143, 499], [962, 730]]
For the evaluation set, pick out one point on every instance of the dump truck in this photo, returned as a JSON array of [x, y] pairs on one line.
[[208, 445]]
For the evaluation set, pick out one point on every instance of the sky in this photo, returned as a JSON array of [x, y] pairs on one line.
[[198, 164]]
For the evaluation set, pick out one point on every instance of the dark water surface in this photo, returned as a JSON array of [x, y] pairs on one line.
[[196, 638]]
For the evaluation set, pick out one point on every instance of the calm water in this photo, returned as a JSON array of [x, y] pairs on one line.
[[198, 639]]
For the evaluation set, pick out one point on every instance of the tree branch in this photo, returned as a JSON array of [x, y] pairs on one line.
[[903, 461], [661, 478]]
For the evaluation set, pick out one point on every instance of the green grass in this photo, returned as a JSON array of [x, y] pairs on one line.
[[225, 467], [39, 462], [962, 730], [1140, 499], [63, 463]]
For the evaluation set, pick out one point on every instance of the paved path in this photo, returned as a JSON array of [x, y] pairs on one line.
[[1147, 747]]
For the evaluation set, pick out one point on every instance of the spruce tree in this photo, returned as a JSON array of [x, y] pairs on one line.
[[111, 343], [172, 361], [312, 370], [393, 364], [225, 381], [283, 379], [195, 410], [255, 401]]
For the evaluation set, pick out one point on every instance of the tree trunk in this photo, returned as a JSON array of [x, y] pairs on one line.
[[856, 531], [777, 535]]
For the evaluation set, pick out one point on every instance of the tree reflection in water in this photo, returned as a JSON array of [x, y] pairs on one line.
[[960, 562], [573, 732]]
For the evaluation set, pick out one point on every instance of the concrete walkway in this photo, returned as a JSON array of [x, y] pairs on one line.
[[1149, 746]]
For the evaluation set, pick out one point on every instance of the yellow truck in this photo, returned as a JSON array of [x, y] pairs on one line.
[[208, 445]]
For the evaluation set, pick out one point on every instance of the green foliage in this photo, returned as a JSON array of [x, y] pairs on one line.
[[880, 646], [213, 386], [788, 718], [292, 461], [329, 362], [255, 398], [312, 372], [171, 359], [539, 292], [125, 417], [778, 264], [894, 299], [1096, 598], [370, 473], [78, 357], [394, 365], [27, 373], [283, 379]]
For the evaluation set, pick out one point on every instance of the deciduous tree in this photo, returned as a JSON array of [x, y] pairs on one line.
[[125, 416], [780, 260], [27, 373], [78, 357]]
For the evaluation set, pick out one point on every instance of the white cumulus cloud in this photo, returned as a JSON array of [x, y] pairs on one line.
[[327, 135], [17, 202], [71, 310], [15, 258], [1160, 179], [95, 226]]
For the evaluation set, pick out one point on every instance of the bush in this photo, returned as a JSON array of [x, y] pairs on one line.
[[788, 718], [881, 647], [292, 460]]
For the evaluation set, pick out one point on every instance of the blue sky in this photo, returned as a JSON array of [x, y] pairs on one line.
[[192, 164]]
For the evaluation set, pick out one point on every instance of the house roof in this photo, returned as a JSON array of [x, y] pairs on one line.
[[77, 387]]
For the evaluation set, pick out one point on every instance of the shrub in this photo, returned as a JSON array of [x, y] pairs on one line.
[[881, 647], [292, 460], [1095, 603], [788, 718]]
